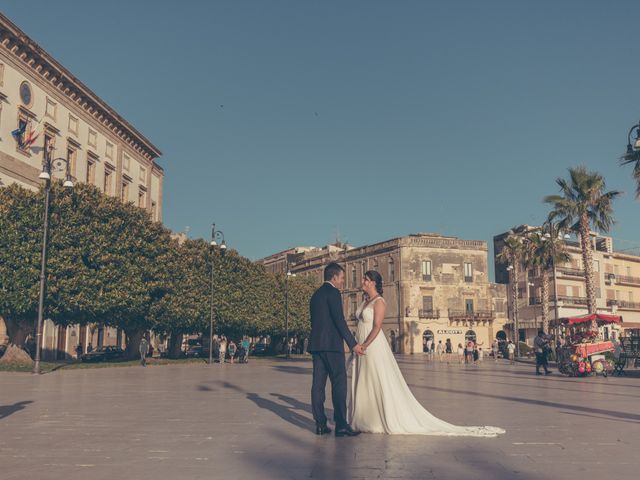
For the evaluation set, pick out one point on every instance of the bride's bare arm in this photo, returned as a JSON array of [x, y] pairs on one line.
[[378, 318]]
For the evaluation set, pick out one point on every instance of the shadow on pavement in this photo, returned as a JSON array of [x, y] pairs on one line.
[[6, 410], [285, 412], [293, 369]]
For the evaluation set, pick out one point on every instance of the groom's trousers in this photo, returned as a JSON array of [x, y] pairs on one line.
[[331, 364]]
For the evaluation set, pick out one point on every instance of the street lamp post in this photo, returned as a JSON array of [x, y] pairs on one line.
[[47, 170], [633, 149], [223, 247], [286, 309]]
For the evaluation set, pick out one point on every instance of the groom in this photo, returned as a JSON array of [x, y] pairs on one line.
[[328, 332]]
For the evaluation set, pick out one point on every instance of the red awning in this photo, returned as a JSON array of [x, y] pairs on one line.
[[600, 317]]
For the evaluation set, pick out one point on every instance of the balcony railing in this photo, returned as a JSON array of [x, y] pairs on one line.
[[429, 313], [624, 280], [472, 315], [573, 300], [571, 272], [624, 304]]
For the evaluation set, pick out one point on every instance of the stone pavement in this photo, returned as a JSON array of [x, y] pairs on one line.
[[252, 421]]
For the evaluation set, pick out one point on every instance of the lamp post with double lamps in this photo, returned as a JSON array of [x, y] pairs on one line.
[[286, 309], [215, 234], [49, 166], [633, 149]]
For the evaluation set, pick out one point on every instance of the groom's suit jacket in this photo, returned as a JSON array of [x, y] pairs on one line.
[[328, 326]]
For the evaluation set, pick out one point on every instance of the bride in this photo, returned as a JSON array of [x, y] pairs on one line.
[[380, 400]]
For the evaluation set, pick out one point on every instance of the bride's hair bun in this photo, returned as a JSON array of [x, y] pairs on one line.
[[375, 277]]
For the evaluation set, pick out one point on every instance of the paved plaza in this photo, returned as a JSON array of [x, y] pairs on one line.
[[192, 421]]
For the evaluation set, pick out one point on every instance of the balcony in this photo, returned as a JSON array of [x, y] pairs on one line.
[[429, 313], [624, 305], [471, 316], [624, 280], [572, 300], [569, 272]]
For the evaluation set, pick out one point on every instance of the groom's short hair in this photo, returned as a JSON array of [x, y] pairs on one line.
[[331, 271]]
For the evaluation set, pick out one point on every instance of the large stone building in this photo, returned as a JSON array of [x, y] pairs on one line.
[[434, 286], [103, 149], [616, 275]]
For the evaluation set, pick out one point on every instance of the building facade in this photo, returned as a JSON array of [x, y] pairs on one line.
[[435, 287], [617, 280], [43, 98]]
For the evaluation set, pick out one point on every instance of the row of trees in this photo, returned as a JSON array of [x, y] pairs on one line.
[[110, 264], [582, 206]]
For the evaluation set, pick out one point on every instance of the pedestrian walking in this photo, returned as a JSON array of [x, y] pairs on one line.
[[428, 346], [222, 351], [246, 344], [511, 349], [495, 347], [448, 349], [440, 350], [468, 352], [541, 345], [460, 354], [144, 349], [232, 350]]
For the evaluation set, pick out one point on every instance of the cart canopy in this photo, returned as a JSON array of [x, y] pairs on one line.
[[600, 317]]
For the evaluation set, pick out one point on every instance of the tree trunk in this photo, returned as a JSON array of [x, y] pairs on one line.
[[175, 345], [545, 300], [587, 260], [516, 332], [17, 332], [132, 351]]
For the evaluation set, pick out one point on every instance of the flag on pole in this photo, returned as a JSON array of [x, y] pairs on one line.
[[18, 133], [31, 138]]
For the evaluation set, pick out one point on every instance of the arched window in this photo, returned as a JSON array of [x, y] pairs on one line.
[[426, 336], [470, 335], [501, 335]]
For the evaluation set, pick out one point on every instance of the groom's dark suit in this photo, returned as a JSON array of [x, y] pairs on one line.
[[329, 331]]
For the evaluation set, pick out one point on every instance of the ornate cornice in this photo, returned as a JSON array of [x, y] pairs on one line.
[[48, 69]]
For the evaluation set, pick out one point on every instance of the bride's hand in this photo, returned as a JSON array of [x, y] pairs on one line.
[[359, 349]]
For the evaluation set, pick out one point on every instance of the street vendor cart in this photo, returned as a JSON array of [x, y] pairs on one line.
[[584, 353]]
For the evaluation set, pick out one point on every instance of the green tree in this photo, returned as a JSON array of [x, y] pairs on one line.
[[584, 204], [512, 254], [546, 249]]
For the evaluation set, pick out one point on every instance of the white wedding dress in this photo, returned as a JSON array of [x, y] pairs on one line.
[[380, 399]]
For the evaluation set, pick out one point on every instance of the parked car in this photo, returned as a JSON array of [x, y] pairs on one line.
[[260, 349], [196, 351], [103, 354]]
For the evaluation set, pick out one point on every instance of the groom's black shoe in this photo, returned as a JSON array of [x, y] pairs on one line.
[[346, 432], [322, 429]]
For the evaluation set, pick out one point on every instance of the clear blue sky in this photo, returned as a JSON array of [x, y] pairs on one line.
[[284, 121]]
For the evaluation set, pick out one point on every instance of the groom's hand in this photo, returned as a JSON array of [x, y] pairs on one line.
[[359, 349]]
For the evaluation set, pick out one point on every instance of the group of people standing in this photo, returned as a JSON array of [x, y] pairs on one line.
[[470, 352], [228, 348]]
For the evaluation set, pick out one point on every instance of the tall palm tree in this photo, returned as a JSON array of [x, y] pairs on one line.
[[546, 249], [512, 253], [584, 204]]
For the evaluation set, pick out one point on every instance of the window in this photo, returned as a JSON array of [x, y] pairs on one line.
[[124, 194], [93, 138], [392, 270], [24, 125], [468, 305], [71, 158], [143, 174], [108, 152], [126, 162], [354, 278], [468, 272], [108, 179], [50, 109], [73, 124], [142, 198], [470, 335], [425, 269], [427, 303], [91, 171]]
